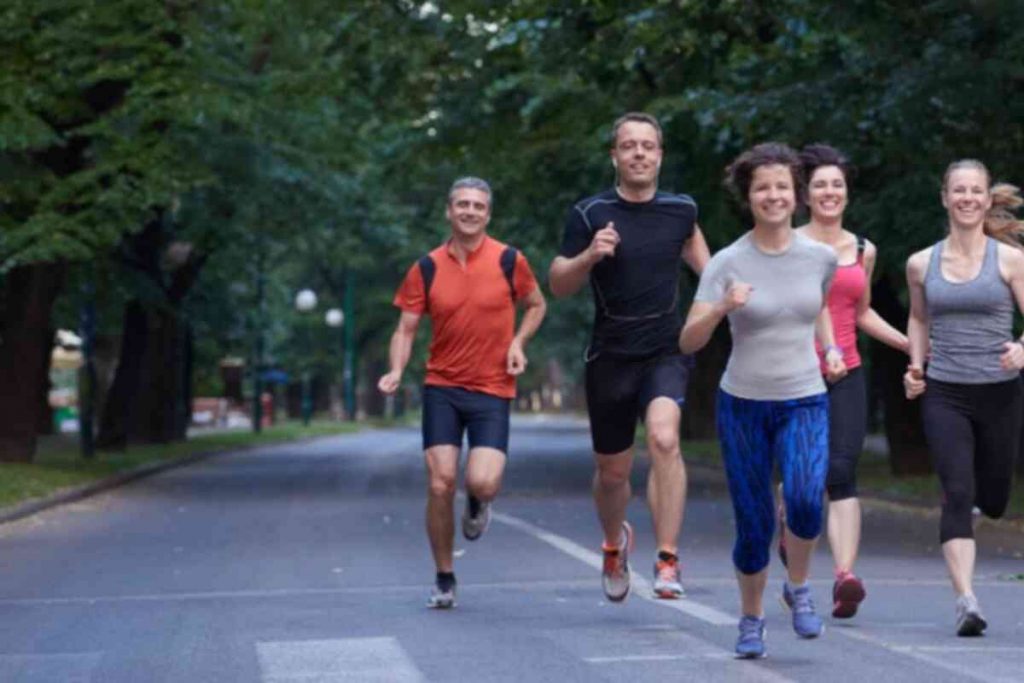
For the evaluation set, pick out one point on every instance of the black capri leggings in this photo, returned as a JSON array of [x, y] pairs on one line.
[[973, 433], [848, 417]]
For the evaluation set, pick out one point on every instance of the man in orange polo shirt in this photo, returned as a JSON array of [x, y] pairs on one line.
[[469, 286]]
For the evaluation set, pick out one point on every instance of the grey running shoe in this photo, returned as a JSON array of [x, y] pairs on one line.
[[667, 585], [475, 518], [806, 622], [441, 599], [615, 571], [750, 644], [969, 621]]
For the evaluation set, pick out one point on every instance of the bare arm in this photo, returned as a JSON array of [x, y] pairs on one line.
[[868, 319], [835, 367], [704, 317], [917, 324], [399, 351], [695, 252], [1011, 266], [567, 275], [535, 309]]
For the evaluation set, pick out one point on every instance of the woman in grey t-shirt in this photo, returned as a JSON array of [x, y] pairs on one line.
[[772, 406], [963, 291]]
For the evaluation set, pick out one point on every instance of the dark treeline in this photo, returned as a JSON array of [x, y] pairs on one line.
[[184, 167]]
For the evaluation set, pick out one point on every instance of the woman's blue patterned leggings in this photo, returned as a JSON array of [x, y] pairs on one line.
[[756, 434]]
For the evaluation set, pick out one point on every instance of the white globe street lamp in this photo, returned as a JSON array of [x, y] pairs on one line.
[[334, 317], [305, 300]]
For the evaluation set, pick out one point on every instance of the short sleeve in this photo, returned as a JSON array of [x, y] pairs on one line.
[[713, 280], [831, 264], [411, 296], [577, 235], [523, 279]]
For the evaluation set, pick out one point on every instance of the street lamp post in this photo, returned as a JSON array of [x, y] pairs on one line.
[[305, 301], [335, 318]]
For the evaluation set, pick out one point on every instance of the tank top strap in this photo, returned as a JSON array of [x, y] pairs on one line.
[[990, 266], [861, 246], [935, 262]]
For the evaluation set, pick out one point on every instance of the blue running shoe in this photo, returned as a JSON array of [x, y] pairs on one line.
[[806, 622], [750, 644]]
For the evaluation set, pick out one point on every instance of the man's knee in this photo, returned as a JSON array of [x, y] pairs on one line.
[[484, 488], [612, 475], [442, 484], [663, 441]]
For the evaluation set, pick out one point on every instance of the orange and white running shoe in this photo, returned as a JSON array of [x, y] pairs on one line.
[[667, 585], [615, 570]]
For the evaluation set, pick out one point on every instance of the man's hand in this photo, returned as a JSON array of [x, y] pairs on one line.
[[515, 361], [604, 243], [389, 383]]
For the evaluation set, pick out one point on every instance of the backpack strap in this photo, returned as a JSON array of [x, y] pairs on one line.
[[861, 246], [508, 267], [427, 271]]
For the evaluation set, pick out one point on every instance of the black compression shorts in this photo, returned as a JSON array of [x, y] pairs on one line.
[[620, 389]]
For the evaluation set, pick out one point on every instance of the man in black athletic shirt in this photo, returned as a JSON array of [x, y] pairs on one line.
[[628, 242]]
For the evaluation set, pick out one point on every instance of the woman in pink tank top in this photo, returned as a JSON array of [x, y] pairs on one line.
[[849, 302]]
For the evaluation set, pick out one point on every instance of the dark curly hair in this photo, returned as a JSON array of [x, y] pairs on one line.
[[740, 173], [817, 155]]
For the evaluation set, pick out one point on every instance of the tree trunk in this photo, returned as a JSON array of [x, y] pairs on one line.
[[28, 295], [147, 402], [908, 453]]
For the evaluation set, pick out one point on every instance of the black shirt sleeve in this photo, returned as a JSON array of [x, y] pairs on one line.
[[577, 235]]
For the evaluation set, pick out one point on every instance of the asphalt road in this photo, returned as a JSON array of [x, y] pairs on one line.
[[309, 563]]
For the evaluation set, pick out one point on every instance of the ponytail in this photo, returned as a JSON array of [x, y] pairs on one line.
[[1000, 223]]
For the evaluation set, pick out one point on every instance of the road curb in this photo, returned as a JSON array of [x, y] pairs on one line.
[[72, 494]]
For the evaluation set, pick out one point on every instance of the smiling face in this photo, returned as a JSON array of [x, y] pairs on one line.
[[637, 154], [772, 196], [468, 211], [826, 193], [966, 196]]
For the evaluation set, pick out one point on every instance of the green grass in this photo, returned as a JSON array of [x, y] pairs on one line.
[[874, 478], [59, 465]]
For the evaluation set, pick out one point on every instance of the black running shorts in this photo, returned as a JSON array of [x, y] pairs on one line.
[[448, 412], [619, 390]]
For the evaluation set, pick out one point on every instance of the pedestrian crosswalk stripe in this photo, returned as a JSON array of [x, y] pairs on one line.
[[366, 660]]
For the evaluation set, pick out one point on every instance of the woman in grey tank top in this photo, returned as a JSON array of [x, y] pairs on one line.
[[963, 291]]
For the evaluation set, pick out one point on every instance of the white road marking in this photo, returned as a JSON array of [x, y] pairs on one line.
[[657, 658], [75, 667], [362, 660], [920, 653], [640, 586]]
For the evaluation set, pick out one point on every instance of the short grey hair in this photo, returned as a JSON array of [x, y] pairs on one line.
[[472, 183], [636, 117]]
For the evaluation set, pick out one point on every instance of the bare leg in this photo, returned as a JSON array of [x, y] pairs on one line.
[[484, 469], [666, 481], [844, 532], [612, 492], [799, 551], [442, 471], [960, 554], [752, 592]]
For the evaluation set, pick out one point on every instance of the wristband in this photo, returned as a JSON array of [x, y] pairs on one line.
[[832, 347]]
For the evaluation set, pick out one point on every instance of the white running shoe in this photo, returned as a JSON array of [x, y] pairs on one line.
[[615, 570], [473, 526]]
